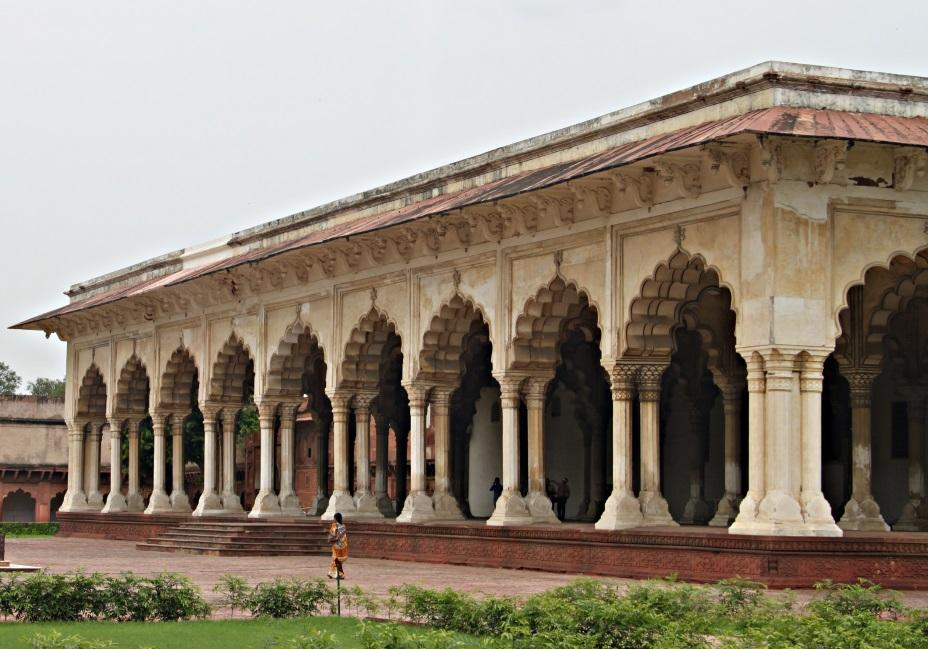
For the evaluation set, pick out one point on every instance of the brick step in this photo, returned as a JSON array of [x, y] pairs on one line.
[[222, 552], [238, 538]]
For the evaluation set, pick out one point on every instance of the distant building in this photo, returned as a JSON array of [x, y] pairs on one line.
[[33, 458]]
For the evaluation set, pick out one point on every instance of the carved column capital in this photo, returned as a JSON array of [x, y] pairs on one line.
[[288, 413], [649, 382], [115, 424], [534, 390], [266, 411], [418, 394], [860, 383], [339, 400], [441, 397], [362, 401], [510, 388]]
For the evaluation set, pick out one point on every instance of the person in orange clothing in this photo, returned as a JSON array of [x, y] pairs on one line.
[[338, 537]]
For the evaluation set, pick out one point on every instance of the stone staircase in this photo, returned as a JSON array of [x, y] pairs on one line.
[[242, 538]]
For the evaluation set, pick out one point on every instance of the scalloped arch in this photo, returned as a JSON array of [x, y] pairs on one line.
[[232, 368], [180, 374], [132, 388], [891, 301], [374, 336], [91, 396], [544, 317], [656, 311], [444, 341], [297, 349]]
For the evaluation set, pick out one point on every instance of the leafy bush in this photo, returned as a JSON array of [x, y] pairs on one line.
[[849, 599], [393, 636], [43, 597], [28, 529], [739, 597], [315, 639], [55, 640], [289, 598], [234, 591]]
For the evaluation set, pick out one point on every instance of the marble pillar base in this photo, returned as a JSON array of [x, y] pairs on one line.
[[115, 502], [696, 511], [319, 505], [158, 503], [654, 509], [365, 504], [180, 502], [778, 514], [209, 505], [266, 505], [135, 503], [726, 511], [862, 513], [540, 508], [912, 518], [231, 503], [446, 507], [385, 505], [622, 512], [817, 515], [418, 508], [290, 504], [339, 502], [94, 501], [74, 501], [510, 510]]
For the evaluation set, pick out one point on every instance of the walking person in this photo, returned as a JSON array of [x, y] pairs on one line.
[[497, 489], [563, 493], [338, 537]]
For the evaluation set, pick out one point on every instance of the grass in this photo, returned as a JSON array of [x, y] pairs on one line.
[[210, 634]]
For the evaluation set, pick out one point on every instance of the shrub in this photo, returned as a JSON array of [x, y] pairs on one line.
[[28, 529], [175, 597], [289, 598], [739, 597], [862, 597], [234, 591], [393, 636], [315, 639]]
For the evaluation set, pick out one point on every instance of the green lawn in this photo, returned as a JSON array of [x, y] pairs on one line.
[[213, 634]]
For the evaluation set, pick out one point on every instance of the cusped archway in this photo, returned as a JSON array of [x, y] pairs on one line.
[[179, 382], [132, 388], [91, 397], [233, 376]]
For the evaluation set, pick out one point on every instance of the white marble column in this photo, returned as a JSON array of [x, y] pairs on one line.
[[861, 512], [727, 508], [779, 512], [115, 501], [815, 509], [443, 500], [340, 500], [231, 503], [622, 507], [365, 504], [653, 504], [746, 520], [75, 499], [134, 500], [158, 502], [539, 505], [289, 501], [179, 501], [913, 516], [510, 507], [209, 503], [92, 466], [382, 460], [266, 502], [418, 507]]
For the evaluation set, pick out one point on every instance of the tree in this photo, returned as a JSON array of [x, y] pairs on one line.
[[46, 387], [9, 380]]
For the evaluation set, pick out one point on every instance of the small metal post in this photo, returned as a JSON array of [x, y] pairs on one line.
[[338, 591]]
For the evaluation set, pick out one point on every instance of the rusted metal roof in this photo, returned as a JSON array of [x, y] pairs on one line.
[[802, 122]]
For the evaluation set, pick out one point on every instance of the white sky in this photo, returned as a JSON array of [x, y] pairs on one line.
[[131, 129]]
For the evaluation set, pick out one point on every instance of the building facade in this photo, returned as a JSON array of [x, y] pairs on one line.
[[705, 309]]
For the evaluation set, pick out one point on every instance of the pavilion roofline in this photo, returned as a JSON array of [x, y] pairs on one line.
[[410, 190]]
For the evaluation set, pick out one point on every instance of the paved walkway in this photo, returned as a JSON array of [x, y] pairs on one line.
[[373, 575]]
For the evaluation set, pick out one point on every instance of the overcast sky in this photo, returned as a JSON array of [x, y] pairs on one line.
[[131, 129]]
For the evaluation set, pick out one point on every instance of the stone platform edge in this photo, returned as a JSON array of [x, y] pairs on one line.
[[690, 554]]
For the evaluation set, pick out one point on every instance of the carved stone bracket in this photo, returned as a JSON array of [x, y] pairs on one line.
[[828, 157], [683, 178], [909, 163], [640, 189], [734, 163]]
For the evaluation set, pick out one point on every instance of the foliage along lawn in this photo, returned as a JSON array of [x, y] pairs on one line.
[[209, 634]]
